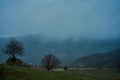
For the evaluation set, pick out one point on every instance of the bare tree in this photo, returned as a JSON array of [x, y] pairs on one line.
[[13, 49], [50, 61]]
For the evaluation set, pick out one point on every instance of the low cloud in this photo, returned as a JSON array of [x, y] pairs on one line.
[[60, 18]]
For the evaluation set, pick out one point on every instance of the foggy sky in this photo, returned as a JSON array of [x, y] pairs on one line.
[[60, 18]]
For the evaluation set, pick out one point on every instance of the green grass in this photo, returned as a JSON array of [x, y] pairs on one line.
[[22, 73]]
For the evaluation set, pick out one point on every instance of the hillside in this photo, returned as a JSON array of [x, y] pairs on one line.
[[25, 73], [36, 47], [106, 60]]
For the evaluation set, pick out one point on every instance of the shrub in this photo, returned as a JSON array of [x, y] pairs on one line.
[[17, 61], [65, 68]]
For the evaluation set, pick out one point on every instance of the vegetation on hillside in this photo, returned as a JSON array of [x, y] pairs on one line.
[[25, 73]]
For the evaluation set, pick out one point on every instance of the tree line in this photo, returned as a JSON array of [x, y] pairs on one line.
[[15, 48]]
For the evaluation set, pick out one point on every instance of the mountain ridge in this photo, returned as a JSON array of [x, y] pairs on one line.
[[67, 50], [104, 60]]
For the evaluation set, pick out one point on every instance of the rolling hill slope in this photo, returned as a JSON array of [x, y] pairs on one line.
[[108, 60]]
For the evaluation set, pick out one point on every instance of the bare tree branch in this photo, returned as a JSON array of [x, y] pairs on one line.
[[50, 61], [13, 49]]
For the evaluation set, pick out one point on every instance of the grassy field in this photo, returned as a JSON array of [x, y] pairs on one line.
[[22, 73]]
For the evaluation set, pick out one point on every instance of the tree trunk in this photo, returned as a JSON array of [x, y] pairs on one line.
[[14, 60]]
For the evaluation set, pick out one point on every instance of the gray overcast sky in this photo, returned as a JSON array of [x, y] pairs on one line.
[[60, 18]]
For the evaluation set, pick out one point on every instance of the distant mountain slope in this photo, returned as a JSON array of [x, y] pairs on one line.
[[68, 50], [108, 60]]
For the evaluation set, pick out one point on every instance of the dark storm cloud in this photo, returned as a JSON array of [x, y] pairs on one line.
[[60, 18]]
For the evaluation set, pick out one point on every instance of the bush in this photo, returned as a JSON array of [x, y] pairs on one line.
[[17, 62], [65, 68]]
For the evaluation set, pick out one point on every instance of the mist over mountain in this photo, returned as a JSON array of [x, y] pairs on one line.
[[69, 29], [67, 50], [60, 18]]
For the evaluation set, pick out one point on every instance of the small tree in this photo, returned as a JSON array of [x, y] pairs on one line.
[[13, 49], [50, 61]]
